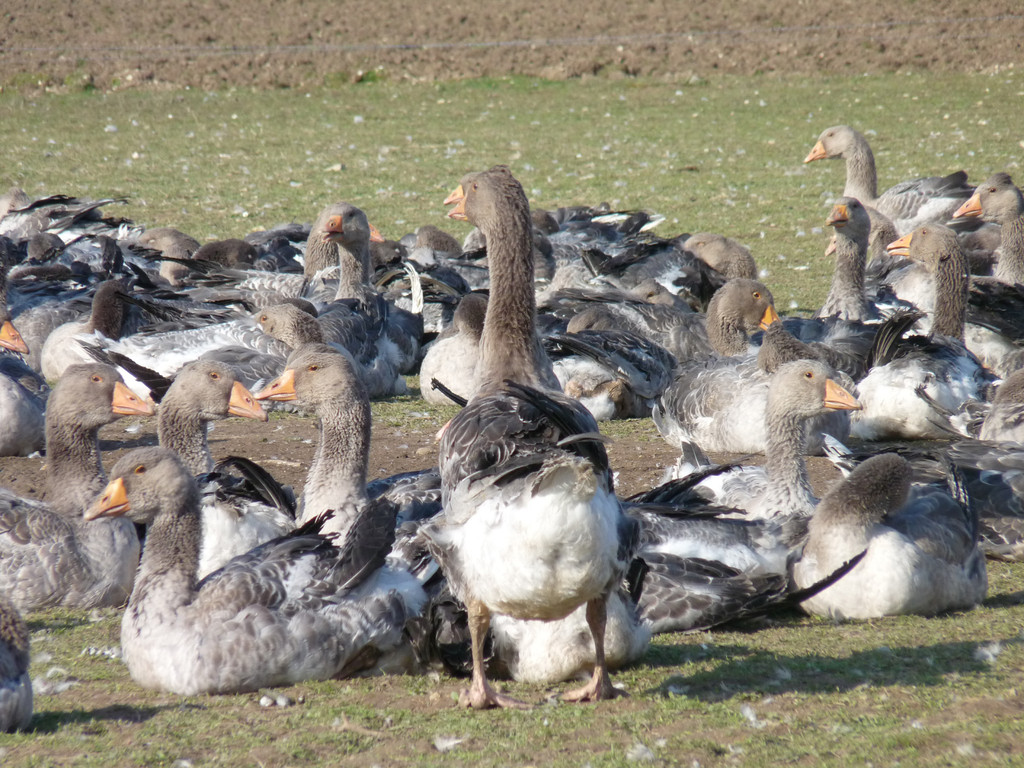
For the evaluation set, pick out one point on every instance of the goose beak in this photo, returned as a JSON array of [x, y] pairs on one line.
[[375, 235], [770, 317], [127, 403], [817, 153], [333, 230], [280, 389], [839, 216], [970, 209], [838, 399], [11, 339], [243, 403], [901, 247], [458, 197], [831, 247], [113, 502]]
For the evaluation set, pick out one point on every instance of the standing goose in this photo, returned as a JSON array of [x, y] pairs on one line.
[[15, 683], [910, 203], [922, 554], [47, 555], [531, 526], [301, 607]]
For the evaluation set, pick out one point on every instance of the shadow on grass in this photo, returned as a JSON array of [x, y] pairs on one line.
[[744, 670], [53, 721]]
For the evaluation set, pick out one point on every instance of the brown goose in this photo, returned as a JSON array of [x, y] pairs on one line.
[[531, 526], [61, 349], [47, 555]]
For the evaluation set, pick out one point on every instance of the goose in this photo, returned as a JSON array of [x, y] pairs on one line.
[[15, 682], [922, 553], [719, 403], [798, 391], [531, 527], [900, 389], [233, 524], [22, 393], [846, 298], [47, 556], [61, 349], [722, 254], [908, 204], [301, 607], [998, 199], [294, 326], [322, 379], [452, 357]]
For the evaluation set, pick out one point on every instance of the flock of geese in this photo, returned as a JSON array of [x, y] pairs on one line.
[[514, 555]]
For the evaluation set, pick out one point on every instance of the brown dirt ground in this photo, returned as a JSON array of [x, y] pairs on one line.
[[263, 43]]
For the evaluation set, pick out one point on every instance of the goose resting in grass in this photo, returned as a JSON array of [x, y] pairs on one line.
[[48, 556], [531, 527], [922, 553], [302, 607], [15, 683]]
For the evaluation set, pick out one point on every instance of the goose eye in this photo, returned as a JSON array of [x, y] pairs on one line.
[[97, 378], [313, 367], [263, 318], [757, 294], [808, 374], [475, 185], [140, 470], [214, 375], [991, 189]]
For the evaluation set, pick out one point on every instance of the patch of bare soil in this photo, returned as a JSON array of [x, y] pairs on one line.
[[265, 43]]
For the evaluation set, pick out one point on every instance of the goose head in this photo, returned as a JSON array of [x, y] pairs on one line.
[[931, 245], [290, 324], [851, 218], [210, 390], [143, 483], [807, 388], [345, 224], [833, 142], [997, 199], [745, 304], [316, 375], [91, 395]]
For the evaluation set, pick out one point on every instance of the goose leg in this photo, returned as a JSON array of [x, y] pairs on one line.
[[480, 695], [600, 685]]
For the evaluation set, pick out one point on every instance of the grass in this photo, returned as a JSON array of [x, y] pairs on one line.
[[722, 155]]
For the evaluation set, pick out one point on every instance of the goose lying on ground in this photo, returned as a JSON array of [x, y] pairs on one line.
[[522, 468], [301, 607], [922, 554], [452, 358], [47, 555]]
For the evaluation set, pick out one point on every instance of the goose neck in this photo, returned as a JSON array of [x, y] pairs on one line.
[[184, 432], [861, 176], [167, 572], [1010, 268], [788, 481], [337, 474], [74, 471]]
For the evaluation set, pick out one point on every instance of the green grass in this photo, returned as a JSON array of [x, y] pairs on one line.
[[908, 691], [723, 155]]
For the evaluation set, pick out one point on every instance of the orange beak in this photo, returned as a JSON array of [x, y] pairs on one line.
[[817, 153], [11, 339], [112, 503], [375, 235], [242, 403], [127, 403], [333, 229], [839, 216], [970, 209], [458, 197], [901, 247], [838, 399], [770, 317], [280, 389]]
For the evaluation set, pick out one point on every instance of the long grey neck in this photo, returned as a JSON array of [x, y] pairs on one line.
[[167, 572], [74, 472], [183, 431], [789, 487], [951, 296], [337, 476], [846, 295], [727, 335], [861, 176], [509, 345], [1010, 268]]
